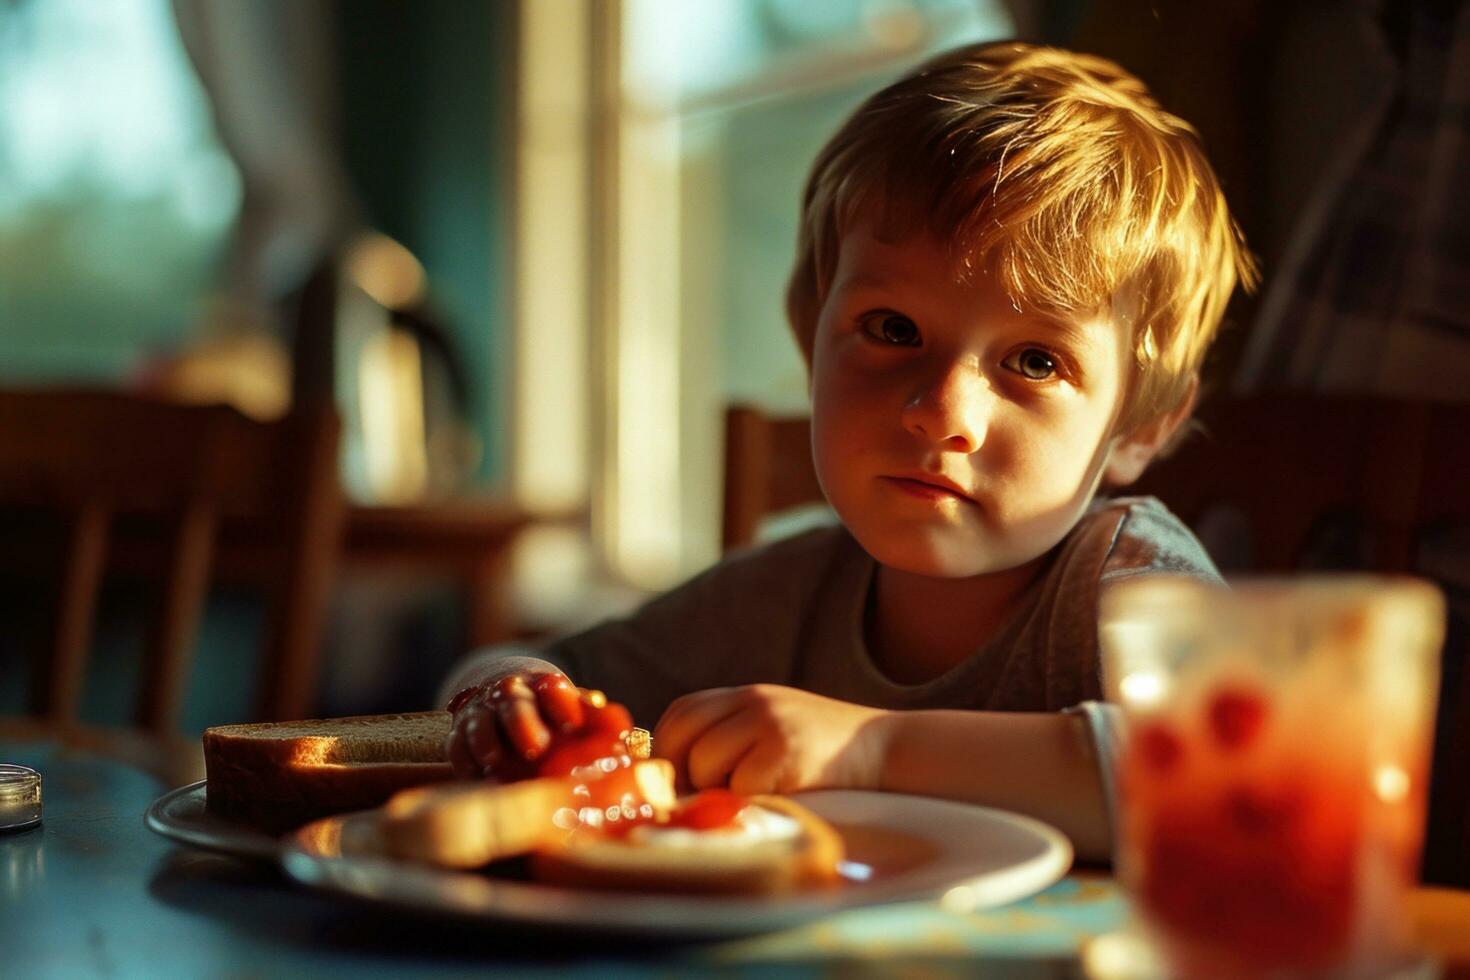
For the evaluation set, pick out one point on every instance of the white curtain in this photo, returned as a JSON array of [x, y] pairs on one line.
[[267, 66]]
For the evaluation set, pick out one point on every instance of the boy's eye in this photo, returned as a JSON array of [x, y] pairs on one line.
[[891, 328], [1033, 363]]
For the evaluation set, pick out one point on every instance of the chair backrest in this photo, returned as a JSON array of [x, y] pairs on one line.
[[1276, 482], [768, 469], [97, 460]]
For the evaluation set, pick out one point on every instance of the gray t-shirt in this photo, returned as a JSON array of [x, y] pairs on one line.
[[792, 612]]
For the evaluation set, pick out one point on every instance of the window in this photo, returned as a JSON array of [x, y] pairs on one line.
[[663, 148], [116, 199]]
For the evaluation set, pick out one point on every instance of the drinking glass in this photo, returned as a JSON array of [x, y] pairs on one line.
[[1273, 778]]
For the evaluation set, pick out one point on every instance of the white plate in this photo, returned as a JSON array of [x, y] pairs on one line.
[[899, 848], [181, 816]]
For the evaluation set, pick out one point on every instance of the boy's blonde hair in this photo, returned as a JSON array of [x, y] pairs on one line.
[[1057, 171]]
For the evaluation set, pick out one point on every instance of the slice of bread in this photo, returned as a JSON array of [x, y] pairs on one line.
[[471, 824], [279, 775], [705, 862]]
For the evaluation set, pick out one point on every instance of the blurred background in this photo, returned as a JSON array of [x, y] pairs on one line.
[[529, 250]]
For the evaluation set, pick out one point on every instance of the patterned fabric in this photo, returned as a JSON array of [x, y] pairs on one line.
[[1373, 294]]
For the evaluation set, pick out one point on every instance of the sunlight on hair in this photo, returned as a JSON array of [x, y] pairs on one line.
[[1059, 174]]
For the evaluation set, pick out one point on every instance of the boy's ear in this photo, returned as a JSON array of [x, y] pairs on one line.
[[1132, 453]]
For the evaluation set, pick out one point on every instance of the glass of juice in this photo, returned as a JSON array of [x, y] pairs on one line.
[[1273, 776]]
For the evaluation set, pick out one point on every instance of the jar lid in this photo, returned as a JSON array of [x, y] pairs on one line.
[[20, 797]]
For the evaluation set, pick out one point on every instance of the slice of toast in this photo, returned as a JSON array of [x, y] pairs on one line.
[[279, 775], [792, 858], [471, 824]]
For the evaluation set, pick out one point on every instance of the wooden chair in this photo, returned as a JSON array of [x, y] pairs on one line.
[[149, 487], [768, 469], [1278, 482]]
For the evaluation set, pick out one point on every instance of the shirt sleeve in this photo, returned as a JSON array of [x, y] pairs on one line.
[[1150, 540], [739, 622], [1105, 724]]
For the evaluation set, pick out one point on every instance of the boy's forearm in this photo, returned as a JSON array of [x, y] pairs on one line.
[[488, 666], [1042, 765]]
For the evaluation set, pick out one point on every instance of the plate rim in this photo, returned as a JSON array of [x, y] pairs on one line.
[[721, 916], [244, 841]]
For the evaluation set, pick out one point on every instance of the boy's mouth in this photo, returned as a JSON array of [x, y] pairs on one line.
[[928, 487]]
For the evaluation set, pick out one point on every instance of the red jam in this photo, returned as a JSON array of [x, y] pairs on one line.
[[464, 697], [589, 744], [1236, 717], [602, 734], [710, 809], [1244, 852], [585, 729]]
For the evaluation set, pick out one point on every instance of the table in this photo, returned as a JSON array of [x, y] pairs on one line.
[[93, 892]]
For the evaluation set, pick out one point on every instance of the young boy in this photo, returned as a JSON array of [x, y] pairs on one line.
[[1011, 264]]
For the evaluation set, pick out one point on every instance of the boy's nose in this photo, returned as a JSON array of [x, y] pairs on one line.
[[953, 409]]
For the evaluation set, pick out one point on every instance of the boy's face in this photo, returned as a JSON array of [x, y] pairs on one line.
[[918, 379]]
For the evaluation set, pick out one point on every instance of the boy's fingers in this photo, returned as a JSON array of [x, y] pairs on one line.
[[720, 748], [687, 718], [560, 700], [511, 686], [523, 727], [758, 771], [458, 753], [690, 705], [668, 731], [481, 738]]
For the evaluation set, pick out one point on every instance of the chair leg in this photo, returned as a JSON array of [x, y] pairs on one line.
[[488, 611], [165, 671], [747, 476], [1459, 760], [58, 690], [297, 607], [294, 627]]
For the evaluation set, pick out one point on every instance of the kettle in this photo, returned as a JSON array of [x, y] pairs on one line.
[[396, 376]]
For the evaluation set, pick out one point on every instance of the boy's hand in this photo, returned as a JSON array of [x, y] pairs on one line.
[[770, 739], [501, 725]]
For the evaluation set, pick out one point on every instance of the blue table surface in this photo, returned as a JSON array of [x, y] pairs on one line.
[[93, 892]]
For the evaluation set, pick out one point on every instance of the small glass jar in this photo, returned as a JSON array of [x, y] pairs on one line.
[[20, 798]]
